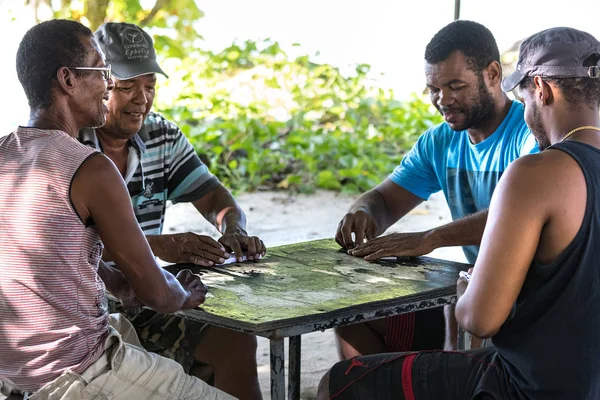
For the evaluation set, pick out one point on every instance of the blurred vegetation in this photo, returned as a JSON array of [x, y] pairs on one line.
[[260, 118]]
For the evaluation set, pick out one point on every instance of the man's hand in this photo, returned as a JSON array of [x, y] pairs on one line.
[[461, 285], [240, 243], [397, 244], [193, 285], [461, 288], [188, 248], [361, 223]]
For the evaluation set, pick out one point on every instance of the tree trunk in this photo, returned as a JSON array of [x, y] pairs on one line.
[[95, 11]]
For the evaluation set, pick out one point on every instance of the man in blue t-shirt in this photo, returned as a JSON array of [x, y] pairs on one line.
[[484, 131]]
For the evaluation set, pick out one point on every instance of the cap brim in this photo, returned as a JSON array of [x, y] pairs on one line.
[[512, 81], [130, 70]]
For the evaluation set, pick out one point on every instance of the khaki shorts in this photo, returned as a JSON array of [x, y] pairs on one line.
[[127, 371], [168, 335]]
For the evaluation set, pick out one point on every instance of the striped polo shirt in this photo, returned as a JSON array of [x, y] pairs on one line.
[[162, 165], [53, 316]]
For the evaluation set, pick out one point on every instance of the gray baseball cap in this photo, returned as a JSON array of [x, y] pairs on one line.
[[555, 53], [128, 49]]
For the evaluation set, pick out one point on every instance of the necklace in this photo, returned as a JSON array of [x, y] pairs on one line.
[[581, 128]]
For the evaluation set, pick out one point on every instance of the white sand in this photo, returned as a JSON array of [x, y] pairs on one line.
[[279, 218]]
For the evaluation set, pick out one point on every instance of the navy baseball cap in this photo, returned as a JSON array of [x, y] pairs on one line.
[[555, 53], [128, 49]]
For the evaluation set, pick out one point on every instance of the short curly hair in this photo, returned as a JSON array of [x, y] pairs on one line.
[[44, 49], [474, 40]]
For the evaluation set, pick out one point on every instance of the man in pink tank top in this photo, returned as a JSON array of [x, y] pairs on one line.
[[60, 204]]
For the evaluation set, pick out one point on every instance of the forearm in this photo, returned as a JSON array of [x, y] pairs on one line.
[[113, 279], [172, 300], [159, 244], [119, 286], [374, 203], [163, 293], [157, 289], [231, 219], [463, 232], [222, 211]]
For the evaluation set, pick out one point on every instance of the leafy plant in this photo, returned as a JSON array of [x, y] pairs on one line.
[[259, 118], [262, 120]]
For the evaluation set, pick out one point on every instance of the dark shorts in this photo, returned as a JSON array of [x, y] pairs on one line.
[[427, 375], [421, 330], [168, 335]]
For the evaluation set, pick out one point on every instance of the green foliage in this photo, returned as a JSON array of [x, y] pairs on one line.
[[263, 120], [175, 17], [260, 118]]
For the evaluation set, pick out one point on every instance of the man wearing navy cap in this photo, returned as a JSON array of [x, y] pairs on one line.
[[158, 164]]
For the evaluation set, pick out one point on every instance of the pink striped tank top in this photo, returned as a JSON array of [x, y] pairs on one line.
[[52, 310]]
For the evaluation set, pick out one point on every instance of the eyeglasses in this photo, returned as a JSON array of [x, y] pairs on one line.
[[106, 71]]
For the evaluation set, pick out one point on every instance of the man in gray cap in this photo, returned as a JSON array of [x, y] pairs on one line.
[[534, 288], [158, 164]]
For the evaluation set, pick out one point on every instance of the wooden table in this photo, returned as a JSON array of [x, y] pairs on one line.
[[313, 286]]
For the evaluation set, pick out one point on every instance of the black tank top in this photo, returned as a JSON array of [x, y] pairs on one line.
[[549, 347]]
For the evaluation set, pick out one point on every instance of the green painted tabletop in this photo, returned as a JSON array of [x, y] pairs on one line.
[[300, 282]]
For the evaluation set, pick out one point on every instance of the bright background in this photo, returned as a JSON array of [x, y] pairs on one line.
[[389, 35]]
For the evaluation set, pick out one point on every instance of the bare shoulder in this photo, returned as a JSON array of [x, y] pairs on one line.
[[96, 167], [550, 163], [97, 176], [544, 174]]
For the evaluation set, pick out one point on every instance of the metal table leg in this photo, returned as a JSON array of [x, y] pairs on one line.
[[294, 368], [464, 339], [277, 370], [461, 338]]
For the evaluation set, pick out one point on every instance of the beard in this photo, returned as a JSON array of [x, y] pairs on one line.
[[537, 127], [478, 112]]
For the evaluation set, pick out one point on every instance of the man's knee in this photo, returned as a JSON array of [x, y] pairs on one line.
[[377, 326], [352, 332], [219, 344], [239, 342], [360, 339], [323, 391], [342, 331]]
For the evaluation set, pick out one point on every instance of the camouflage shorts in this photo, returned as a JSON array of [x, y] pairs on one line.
[[168, 335]]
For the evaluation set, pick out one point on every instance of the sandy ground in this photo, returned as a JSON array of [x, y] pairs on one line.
[[279, 218]]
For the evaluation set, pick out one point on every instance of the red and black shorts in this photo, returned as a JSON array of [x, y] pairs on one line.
[[421, 330], [427, 375]]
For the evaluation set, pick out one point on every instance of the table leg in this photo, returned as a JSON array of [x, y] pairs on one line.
[[464, 339], [277, 370], [294, 368]]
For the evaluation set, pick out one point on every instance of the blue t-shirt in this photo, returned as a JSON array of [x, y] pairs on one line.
[[443, 159]]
